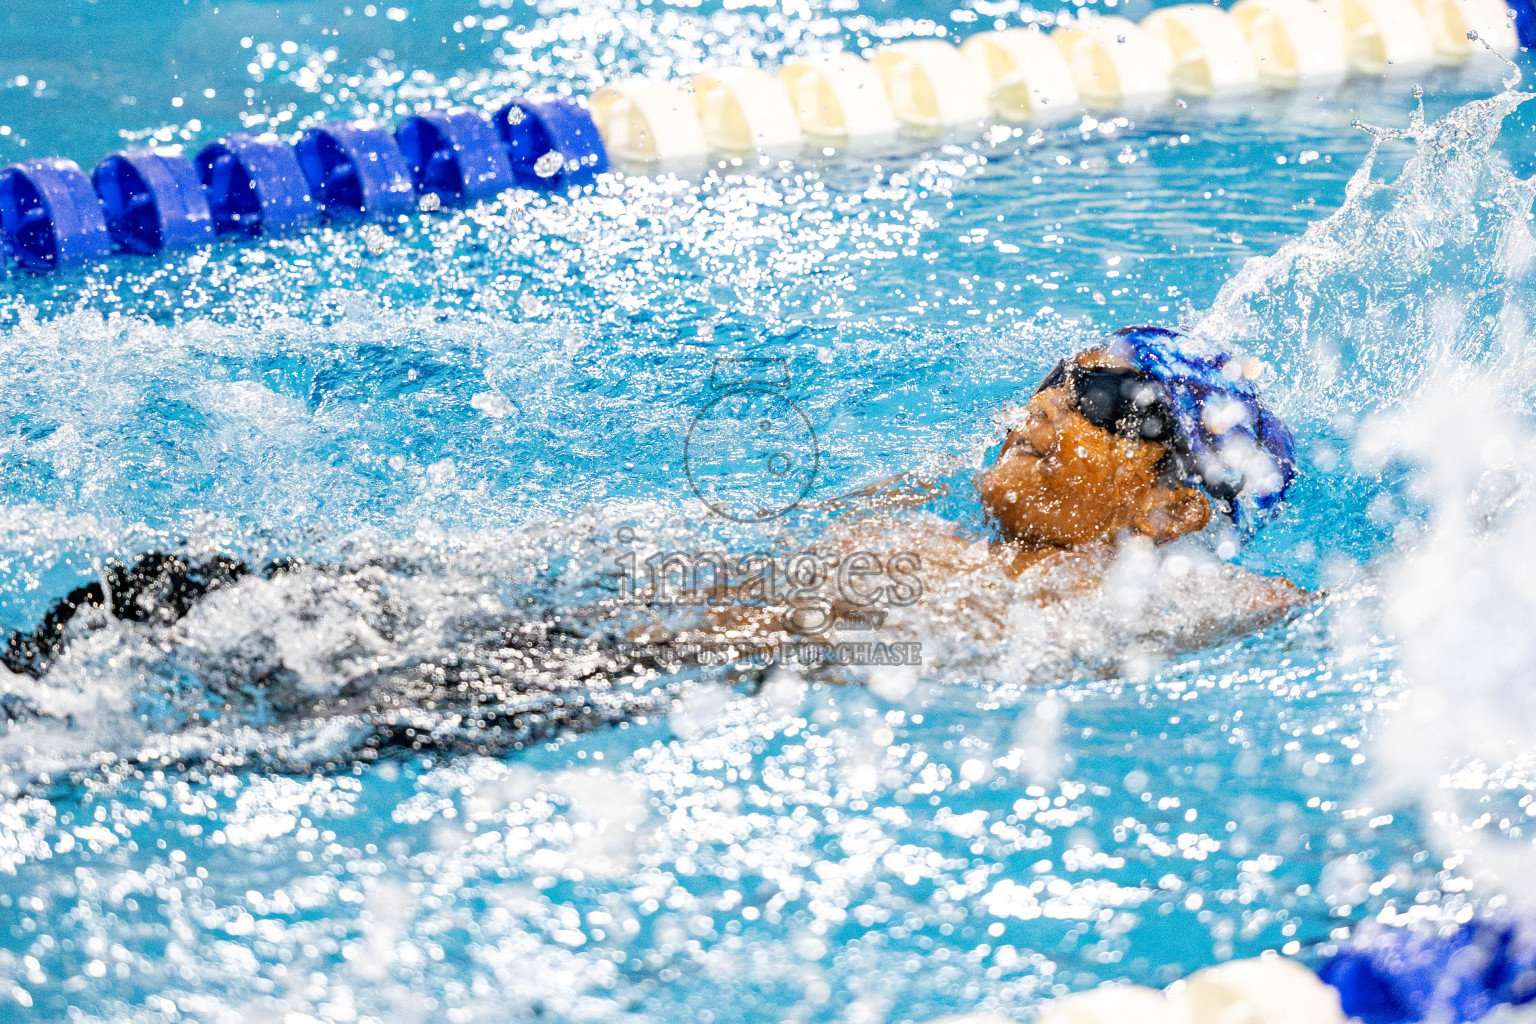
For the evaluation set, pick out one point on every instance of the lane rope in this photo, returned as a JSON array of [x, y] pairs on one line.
[[146, 200]]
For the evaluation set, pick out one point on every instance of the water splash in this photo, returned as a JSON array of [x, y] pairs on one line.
[[1404, 281], [1411, 309], [1460, 598]]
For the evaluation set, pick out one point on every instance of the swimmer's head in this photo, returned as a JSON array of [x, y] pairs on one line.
[[1141, 434], [1088, 459]]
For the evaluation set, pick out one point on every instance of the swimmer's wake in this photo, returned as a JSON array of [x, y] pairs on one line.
[[381, 652]]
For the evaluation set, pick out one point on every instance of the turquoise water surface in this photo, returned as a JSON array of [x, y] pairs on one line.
[[456, 417]]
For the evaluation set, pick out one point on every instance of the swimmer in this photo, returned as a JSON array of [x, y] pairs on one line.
[[1128, 445], [1135, 441]]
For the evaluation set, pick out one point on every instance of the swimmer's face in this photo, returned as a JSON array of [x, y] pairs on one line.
[[1061, 481]]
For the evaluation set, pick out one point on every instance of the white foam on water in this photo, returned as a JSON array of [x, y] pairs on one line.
[[1460, 598]]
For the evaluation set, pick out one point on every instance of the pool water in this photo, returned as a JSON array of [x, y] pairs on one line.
[[455, 419]]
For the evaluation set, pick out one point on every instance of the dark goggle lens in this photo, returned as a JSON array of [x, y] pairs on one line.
[[1122, 402], [1157, 425], [1054, 379], [1100, 399]]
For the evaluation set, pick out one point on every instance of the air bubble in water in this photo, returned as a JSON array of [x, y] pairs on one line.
[[548, 165]]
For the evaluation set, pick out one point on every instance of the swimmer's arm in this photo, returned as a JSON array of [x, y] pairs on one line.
[[1067, 573], [905, 490], [925, 543], [1261, 600]]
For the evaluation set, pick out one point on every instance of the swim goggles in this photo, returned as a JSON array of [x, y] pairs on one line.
[[1201, 401], [1121, 401]]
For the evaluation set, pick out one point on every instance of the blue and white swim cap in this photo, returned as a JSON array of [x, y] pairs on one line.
[[1228, 444]]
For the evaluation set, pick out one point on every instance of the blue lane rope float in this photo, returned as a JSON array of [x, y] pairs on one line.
[[152, 200], [1524, 12], [50, 215], [355, 169], [1383, 975], [455, 155], [1400, 977], [254, 185], [552, 142], [148, 200]]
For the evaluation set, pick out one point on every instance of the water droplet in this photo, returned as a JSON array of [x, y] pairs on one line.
[[429, 202], [548, 165], [515, 115], [1472, 34], [1418, 92], [1181, 103], [376, 239]]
